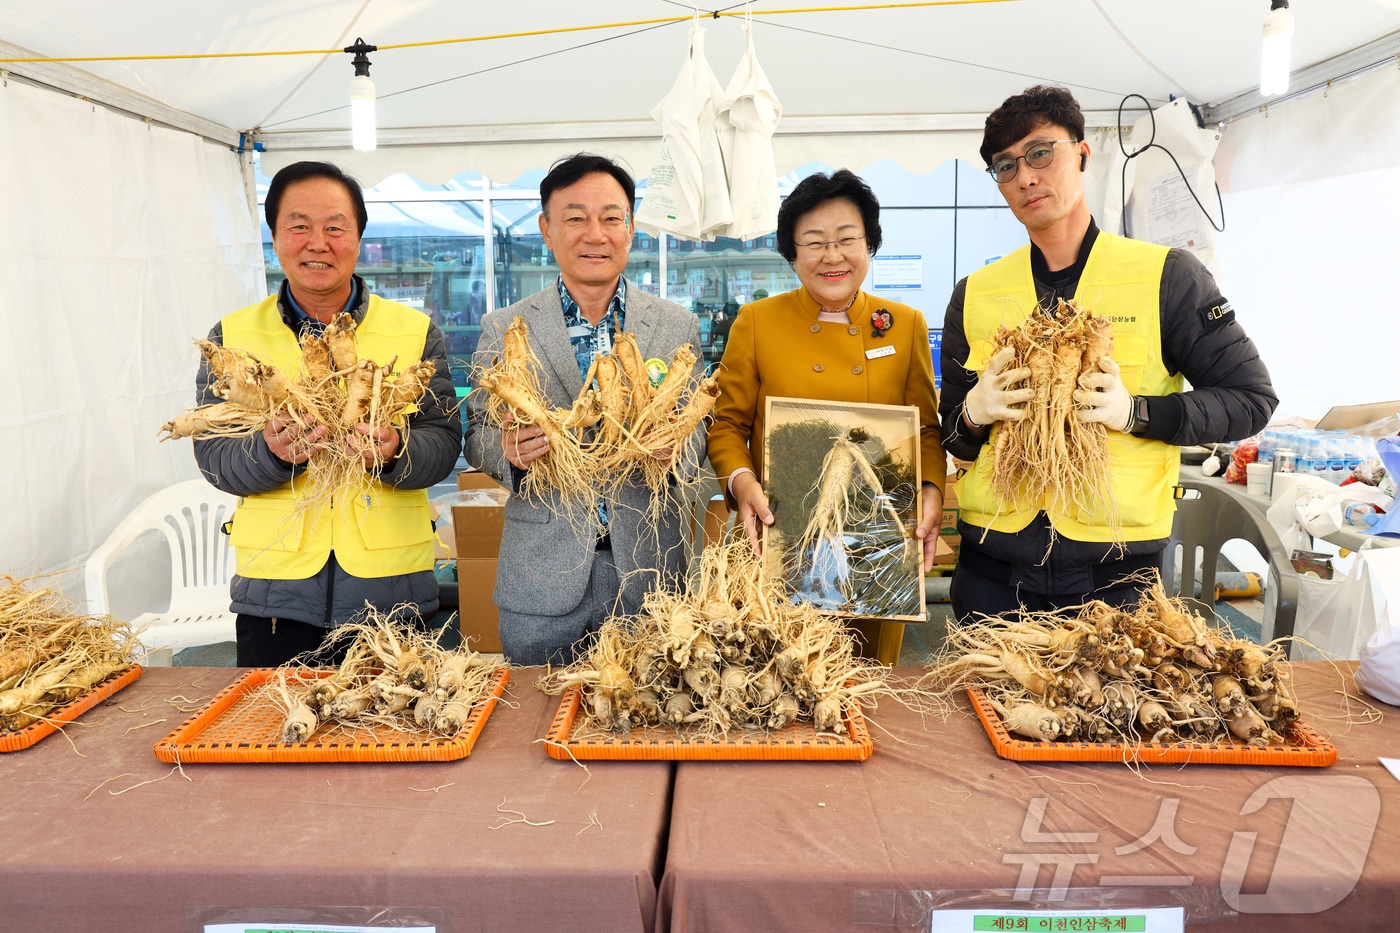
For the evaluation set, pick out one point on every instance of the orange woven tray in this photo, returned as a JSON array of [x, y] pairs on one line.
[[797, 742], [1305, 749], [241, 725], [23, 738]]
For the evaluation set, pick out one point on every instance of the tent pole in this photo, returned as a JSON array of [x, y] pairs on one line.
[[250, 186]]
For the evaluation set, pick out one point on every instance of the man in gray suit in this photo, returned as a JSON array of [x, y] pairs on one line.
[[556, 584]]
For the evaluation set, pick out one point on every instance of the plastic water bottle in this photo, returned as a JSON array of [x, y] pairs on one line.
[[1361, 514], [1299, 442], [1359, 450], [1268, 443], [1317, 456], [1337, 443]]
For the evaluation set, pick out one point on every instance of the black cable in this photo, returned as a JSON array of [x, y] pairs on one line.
[[1152, 144]]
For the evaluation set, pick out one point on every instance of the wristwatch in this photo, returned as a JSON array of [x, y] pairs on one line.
[[1138, 419]]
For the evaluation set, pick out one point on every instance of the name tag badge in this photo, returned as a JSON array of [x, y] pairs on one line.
[[878, 352]]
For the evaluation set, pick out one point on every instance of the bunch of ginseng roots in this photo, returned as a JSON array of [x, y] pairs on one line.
[[50, 655], [730, 653], [1095, 673], [393, 676], [1050, 450], [335, 388], [845, 508], [616, 427]]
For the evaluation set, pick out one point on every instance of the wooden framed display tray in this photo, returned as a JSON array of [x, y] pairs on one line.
[[242, 724], [23, 738], [844, 479], [797, 742], [1305, 749]]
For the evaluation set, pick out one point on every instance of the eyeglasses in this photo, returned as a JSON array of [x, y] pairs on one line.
[[1037, 156], [846, 244]]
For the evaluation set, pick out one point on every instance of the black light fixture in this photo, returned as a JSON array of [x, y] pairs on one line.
[[362, 127]]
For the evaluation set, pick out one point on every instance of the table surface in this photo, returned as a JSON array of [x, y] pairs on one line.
[[935, 819], [99, 835]]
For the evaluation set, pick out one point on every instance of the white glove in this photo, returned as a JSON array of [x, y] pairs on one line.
[[1102, 398], [990, 400]]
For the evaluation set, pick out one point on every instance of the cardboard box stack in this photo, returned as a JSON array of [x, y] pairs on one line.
[[477, 529], [949, 541]]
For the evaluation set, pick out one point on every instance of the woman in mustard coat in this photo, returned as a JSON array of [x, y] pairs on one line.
[[827, 340]]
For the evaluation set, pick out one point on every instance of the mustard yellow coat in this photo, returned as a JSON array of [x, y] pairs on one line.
[[778, 347]]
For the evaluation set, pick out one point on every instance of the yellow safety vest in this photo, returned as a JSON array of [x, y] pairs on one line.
[[1122, 281], [375, 529]]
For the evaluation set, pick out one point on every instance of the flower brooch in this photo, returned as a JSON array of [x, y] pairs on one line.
[[880, 322]]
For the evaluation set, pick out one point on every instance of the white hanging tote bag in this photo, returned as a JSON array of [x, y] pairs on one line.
[[687, 195], [748, 115]]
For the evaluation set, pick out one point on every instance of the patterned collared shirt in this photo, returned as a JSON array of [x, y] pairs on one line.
[[589, 340]]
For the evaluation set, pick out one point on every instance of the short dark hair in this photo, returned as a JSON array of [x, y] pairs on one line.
[[815, 190], [572, 168], [1020, 114], [301, 171]]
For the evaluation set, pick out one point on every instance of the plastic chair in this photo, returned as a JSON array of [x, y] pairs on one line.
[[191, 515], [1206, 518]]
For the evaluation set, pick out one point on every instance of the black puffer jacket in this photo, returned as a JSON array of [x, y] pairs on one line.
[[244, 466]]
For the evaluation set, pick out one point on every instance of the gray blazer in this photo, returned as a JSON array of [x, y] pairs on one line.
[[544, 565]]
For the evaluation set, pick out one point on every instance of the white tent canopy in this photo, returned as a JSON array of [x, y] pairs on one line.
[[910, 83], [128, 231]]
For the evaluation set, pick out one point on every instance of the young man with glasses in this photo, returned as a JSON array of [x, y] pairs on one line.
[[1171, 326]]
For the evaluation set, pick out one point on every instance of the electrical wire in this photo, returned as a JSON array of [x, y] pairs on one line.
[[482, 71], [942, 58], [1152, 144], [658, 21], [1123, 36]]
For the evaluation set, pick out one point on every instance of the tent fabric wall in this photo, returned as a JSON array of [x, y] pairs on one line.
[[1310, 270], [1312, 190], [122, 242], [1349, 127]]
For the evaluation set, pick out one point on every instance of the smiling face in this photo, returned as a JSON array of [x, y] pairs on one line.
[[588, 227], [1043, 197], [317, 242], [831, 275]]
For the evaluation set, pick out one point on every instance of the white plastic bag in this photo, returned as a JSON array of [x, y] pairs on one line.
[[1379, 671], [1315, 506], [748, 115], [1330, 616], [687, 192], [1160, 205]]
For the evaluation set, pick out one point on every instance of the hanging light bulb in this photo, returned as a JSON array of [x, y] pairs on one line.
[[362, 128], [1278, 47]]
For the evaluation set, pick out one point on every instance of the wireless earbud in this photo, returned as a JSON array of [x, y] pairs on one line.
[[1083, 160]]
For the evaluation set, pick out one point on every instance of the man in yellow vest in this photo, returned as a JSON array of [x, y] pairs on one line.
[[302, 572], [1170, 325]]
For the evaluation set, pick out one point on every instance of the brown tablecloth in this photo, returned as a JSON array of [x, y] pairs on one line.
[[935, 819], [84, 848]]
